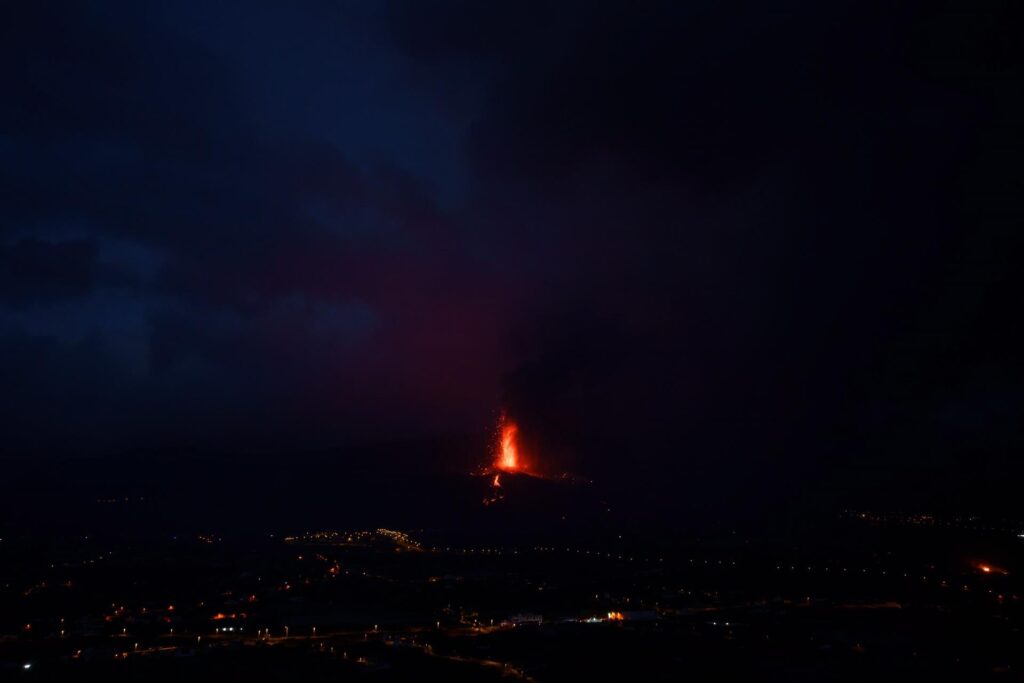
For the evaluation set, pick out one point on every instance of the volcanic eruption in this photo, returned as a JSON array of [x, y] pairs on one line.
[[511, 457], [508, 457]]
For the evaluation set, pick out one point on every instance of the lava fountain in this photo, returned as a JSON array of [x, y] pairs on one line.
[[507, 459], [510, 458]]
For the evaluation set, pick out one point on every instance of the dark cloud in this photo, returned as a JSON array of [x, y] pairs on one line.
[[33, 271], [757, 210], [781, 235]]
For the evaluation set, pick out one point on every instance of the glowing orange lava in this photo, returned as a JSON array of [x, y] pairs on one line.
[[508, 458], [508, 451]]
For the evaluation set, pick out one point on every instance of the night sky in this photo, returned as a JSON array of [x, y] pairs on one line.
[[763, 241]]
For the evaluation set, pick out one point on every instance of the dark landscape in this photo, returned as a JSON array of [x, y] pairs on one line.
[[412, 340]]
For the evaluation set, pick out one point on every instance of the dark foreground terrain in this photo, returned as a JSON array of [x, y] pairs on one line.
[[115, 593]]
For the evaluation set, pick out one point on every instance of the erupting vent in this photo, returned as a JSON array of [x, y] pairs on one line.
[[507, 459]]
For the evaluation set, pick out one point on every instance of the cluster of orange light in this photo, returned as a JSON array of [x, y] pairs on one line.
[[615, 616], [219, 616]]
